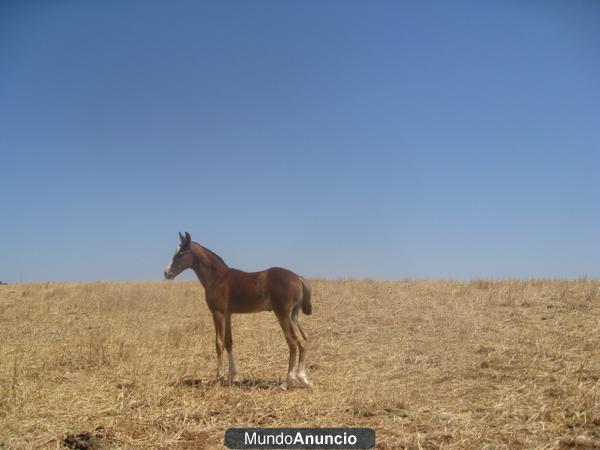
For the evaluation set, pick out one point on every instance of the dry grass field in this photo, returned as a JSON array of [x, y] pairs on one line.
[[428, 364]]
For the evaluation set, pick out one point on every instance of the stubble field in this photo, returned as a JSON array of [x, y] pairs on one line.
[[427, 364]]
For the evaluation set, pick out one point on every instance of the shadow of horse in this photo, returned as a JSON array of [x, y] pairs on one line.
[[244, 383], [256, 383]]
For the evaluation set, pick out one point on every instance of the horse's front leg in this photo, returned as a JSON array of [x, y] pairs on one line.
[[219, 319], [229, 348]]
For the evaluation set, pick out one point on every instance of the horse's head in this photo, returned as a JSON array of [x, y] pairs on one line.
[[182, 259]]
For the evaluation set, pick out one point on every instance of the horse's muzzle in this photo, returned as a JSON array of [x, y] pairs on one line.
[[168, 275]]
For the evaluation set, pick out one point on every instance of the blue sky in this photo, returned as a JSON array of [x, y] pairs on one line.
[[366, 139]]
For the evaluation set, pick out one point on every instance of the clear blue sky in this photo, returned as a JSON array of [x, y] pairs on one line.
[[367, 139]]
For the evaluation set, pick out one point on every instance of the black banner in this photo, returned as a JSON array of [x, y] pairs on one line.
[[300, 438]]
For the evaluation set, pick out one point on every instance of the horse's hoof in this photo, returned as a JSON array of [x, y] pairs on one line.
[[283, 386], [306, 383]]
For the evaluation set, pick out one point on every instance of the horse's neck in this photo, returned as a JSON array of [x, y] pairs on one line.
[[207, 268]]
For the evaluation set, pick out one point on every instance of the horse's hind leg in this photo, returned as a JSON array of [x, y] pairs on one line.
[[285, 321], [302, 341]]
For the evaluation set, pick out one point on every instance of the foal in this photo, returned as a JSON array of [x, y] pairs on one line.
[[230, 291]]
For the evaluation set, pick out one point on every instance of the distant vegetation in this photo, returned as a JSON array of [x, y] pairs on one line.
[[428, 364]]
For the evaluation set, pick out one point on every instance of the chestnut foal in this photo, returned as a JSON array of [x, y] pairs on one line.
[[230, 291]]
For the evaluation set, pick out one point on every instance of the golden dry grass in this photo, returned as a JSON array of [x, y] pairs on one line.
[[428, 364]]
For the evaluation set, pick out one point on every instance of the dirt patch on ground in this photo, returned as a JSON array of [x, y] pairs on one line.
[[88, 440]]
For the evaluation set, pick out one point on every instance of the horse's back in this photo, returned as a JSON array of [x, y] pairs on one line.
[[285, 288], [281, 275], [262, 291]]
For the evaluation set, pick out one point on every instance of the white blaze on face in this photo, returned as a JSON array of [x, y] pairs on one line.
[[168, 269]]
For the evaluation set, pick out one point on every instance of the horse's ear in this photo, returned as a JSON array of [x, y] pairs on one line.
[[188, 238], [181, 238]]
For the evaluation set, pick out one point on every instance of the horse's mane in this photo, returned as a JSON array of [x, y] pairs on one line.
[[212, 253]]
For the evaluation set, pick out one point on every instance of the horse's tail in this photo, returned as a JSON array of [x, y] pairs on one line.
[[306, 304]]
